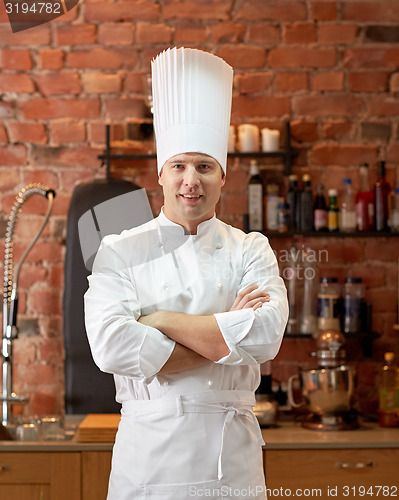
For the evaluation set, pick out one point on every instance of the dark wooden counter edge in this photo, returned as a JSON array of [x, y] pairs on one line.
[[53, 446]]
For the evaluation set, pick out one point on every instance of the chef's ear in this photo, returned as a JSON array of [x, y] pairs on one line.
[[223, 177], [160, 182]]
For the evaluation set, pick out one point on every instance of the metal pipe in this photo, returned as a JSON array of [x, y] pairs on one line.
[[10, 293]]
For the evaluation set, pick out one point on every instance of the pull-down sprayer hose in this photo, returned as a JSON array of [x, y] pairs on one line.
[[10, 292]]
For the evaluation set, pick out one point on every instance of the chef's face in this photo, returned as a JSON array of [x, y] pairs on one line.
[[191, 185]]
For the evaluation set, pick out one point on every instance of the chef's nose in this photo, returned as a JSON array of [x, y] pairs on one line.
[[191, 178]]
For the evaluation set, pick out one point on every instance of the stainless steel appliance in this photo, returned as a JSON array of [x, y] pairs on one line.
[[327, 391]]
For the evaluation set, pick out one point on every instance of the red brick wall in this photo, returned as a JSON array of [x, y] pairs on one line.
[[330, 67]]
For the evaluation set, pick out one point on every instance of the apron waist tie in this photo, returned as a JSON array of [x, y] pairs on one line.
[[230, 413]]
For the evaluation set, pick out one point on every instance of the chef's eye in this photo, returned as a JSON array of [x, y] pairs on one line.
[[178, 166], [204, 166]]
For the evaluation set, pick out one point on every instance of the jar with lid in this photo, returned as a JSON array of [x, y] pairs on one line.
[[353, 299], [328, 304]]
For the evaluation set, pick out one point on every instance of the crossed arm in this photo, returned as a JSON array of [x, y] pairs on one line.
[[198, 338]]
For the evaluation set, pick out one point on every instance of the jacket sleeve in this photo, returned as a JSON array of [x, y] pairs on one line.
[[119, 343], [255, 336]]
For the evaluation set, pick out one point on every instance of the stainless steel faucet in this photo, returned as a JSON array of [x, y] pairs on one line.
[[10, 294]]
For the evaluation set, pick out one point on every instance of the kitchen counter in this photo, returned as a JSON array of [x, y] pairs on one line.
[[345, 461], [287, 435], [70, 444], [291, 435]]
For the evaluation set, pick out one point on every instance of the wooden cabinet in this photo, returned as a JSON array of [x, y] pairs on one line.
[[339, 473], [39, 476], [96, 466]]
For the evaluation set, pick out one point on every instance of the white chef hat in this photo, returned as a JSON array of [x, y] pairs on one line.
[[191, 91]]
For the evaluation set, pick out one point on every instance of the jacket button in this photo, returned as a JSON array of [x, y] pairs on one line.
[[220, 285], [164, 285], [210, 383], [219, 246]]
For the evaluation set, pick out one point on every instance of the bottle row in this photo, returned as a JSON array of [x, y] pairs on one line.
[[318, 305], [302, 210]]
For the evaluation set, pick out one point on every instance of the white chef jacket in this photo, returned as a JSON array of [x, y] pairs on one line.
[[158, 267]]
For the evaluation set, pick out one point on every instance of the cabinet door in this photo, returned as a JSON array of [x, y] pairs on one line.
[[65, 476], [39, 476], [96, 466], [340, 473], [25, 492]]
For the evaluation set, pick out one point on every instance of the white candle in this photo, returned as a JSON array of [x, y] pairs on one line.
[[248, 137], [270, 140]]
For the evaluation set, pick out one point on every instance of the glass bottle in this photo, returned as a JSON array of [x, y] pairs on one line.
[[283, 217], [395, 212], [308, 319], [272, 201], [290, 275], [320, 210], [306, 208], [333, 211], [293, 201], [381, 190], [388, 389], [353, 298], [347, 212], [255, 198], [364, 201]]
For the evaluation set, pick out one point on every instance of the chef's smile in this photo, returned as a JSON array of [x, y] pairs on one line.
[[191, 184], [191, 198]]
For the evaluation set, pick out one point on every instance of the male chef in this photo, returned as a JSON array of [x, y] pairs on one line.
[[183, 309]]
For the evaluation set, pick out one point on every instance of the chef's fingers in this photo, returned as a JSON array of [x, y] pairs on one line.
[[241, 295], [250, 297], [256, 303]]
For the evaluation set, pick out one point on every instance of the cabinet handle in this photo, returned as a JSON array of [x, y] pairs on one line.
[[354, 465], [4, 468]]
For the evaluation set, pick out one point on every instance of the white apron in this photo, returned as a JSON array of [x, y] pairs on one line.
[[200, 445]]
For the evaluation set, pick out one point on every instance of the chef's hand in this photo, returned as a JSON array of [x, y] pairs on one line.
[[250, 297], [149, 319]]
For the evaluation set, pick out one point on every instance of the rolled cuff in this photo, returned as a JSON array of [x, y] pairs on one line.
[[154, 352], [235, 325]]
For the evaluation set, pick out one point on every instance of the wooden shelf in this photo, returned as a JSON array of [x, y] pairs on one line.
[[331, 234], [287, 154]]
